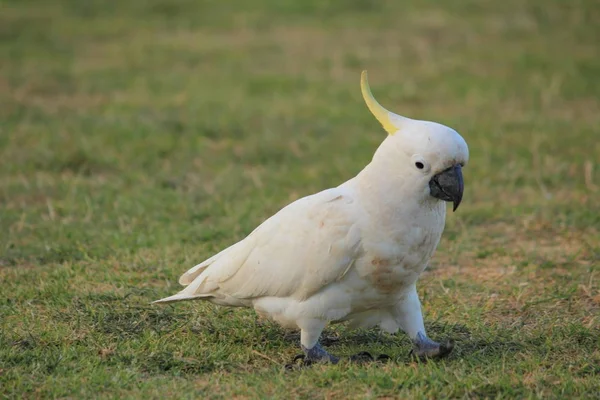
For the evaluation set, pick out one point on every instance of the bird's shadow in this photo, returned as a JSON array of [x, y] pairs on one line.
[[343, 335], [466, 344], [330, 338]]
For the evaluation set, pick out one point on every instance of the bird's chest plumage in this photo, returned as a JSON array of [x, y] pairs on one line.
[[393, 261]]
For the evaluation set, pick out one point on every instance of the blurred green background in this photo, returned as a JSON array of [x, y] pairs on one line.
[[139, 137]]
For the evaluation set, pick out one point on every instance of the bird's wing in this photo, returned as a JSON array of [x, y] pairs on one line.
[[298, 251]]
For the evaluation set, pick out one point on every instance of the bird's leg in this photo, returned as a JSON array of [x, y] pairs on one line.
[[310, 331], [409, 315], [313, 352]]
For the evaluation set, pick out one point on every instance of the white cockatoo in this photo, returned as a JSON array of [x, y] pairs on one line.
[[351, 253]]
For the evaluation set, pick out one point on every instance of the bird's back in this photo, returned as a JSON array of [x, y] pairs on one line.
[[295, 253]]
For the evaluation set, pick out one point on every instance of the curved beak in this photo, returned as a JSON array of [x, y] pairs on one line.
[[448, 185]]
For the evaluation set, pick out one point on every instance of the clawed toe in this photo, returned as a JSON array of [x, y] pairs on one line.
[[362, 357], [305, 362], [426, 348], [316, 354], [302, 361], [366, 357], [445, 349]]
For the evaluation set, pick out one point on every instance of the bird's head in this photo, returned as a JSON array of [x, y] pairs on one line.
[[427, 154]]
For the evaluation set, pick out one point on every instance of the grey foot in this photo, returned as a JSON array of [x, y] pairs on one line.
[[423, 347], [317, 354]]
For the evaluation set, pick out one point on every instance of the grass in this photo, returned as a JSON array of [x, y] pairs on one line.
[[139, 137]]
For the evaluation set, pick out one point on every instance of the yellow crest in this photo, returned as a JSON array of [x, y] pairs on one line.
[[391, 122]]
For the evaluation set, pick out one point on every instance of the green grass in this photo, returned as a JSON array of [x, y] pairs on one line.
[[139, 137]]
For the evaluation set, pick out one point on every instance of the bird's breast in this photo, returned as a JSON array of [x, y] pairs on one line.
[[392, 263]]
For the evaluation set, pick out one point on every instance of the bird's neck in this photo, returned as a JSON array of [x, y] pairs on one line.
[[389, 195]]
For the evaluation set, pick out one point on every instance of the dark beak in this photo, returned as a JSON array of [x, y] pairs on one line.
[[448, 185]]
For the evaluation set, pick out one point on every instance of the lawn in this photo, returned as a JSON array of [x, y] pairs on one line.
[[137, 138]]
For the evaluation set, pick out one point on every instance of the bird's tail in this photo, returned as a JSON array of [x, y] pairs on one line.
[[181, 297]]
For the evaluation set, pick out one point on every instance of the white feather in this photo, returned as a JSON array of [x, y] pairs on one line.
[[351, 253]]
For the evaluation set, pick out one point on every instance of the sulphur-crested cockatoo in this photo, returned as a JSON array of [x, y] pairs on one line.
[[351, 253]]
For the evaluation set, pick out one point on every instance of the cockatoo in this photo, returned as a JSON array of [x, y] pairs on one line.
[[352, 253]]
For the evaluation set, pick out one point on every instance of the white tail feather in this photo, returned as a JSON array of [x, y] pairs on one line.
[[181, 297]]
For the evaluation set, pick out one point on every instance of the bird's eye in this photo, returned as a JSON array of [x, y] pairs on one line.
[[420, 163]]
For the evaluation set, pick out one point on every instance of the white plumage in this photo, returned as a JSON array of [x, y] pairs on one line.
[[351, 253]]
